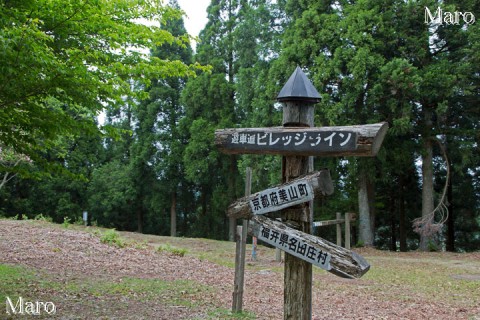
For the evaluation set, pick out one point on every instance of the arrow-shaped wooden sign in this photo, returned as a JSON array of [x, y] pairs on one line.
[[361, 140], [295, 192], [317, 251]]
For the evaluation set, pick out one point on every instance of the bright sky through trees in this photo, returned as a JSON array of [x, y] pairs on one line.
[[196, 18]]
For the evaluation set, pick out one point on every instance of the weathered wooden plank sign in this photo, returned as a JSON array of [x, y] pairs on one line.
[[295, 192], [363, 140], [296, 141], [315, 250]]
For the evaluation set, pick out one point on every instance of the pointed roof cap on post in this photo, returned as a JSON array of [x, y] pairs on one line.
[[298, 87]]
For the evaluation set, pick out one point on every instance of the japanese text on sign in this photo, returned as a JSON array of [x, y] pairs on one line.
[[295, 247], [297, 140], [278, 198]]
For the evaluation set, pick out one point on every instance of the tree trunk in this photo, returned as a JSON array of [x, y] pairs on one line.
[[232, 222], [402, 220], [427, 190], [173, 215], [365, 235], [427, 176], [393, 223], [450, 246], [371, 204], [139, 220]]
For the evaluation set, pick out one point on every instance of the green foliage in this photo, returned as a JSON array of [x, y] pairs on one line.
[[173, 250], [66, 222], [65, 60], [372, 61], [112, 237], [378, 62], [14, 281], [111, 194], [18, 281], [200, 155]]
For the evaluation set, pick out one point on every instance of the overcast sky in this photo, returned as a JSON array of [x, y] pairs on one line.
[[196, 18]]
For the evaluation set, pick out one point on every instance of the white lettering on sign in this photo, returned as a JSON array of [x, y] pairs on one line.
[[296, 247], [305, 139], [278, 198]]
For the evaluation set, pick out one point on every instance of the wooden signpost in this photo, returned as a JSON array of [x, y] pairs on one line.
[[326, 141], [295, 192], [298, 141], [314, 250]]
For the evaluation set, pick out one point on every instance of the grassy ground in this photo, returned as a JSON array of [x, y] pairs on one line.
[[433, 276], [452, 280]]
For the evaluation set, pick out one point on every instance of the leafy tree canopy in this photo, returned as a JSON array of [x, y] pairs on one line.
[[63, 61]]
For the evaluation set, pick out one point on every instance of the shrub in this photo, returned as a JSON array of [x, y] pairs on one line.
[[41, 217], [112, 237], [66, 222], [175, 251]]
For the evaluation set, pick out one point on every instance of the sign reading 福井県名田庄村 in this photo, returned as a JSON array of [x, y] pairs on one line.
[[317, 251], [295, 246]]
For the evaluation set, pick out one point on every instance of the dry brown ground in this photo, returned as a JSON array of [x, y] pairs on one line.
[[70, 256]]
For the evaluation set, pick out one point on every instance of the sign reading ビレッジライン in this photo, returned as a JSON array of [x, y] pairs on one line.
[[296, 141]]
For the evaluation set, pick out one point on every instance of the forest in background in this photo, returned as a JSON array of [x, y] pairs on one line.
[[66, 62]]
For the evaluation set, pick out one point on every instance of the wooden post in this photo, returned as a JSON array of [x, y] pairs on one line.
[[254, 248], [347, 230], [238, 273], [85, 218], [173, 215], [297, 142], [241, 249], [278, 255], [339, 230], [248, 191], [298, 97]]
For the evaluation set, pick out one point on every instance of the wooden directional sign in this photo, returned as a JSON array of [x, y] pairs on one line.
[[362, 140], [283, 196], [315, 250]]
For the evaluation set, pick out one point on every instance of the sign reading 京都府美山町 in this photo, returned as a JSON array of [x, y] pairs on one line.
[[297, 191], [278, 198]]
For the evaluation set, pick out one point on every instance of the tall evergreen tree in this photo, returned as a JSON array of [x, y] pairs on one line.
[[380, 61], [160, 141], [149, 155], [239, 43]]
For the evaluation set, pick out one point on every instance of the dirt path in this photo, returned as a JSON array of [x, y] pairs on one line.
[[71, 256]]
